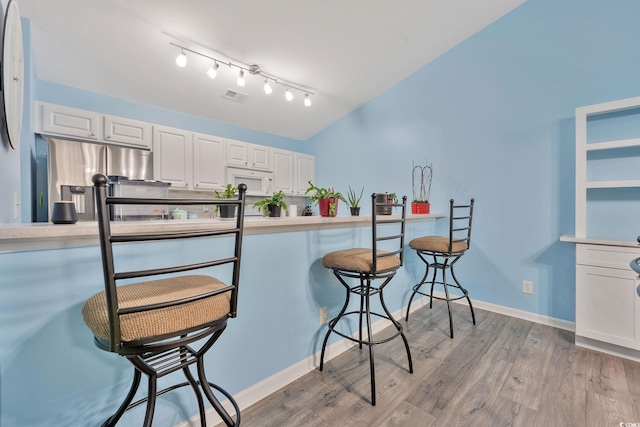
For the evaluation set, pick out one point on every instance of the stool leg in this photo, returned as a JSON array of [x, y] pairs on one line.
[[369, 340], [416, 288], [464, 291], [151, 402], [332, 323], [399, 327], [446, 292], [362, 297], [113, 420], [433, 280], [196, 390]]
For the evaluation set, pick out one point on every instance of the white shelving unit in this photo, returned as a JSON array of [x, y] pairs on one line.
[[607, 290], [583, 148]]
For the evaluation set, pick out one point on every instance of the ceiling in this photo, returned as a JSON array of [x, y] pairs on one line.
[[345, 52]]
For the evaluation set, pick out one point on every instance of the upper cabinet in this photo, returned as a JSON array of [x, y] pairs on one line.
[[173, 156], [58, 120], [127, 131], [248, 155], [283, 169], [208, 162], [67, 121], [305, 171]]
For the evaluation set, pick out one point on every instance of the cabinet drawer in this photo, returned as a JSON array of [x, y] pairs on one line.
[[606, 256]]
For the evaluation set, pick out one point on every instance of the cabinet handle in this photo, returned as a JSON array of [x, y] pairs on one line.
[[638, 290], [93, 134], [108, 136]]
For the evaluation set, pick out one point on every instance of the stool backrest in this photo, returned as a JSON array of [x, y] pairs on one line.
[[221, 254], [460, 220], [387, 231]]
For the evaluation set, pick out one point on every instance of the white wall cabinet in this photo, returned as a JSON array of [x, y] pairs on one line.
[[173, 156], [283, 171], [67, 121], [607, 300], [208, 162], [305, 171], [248, 155], [128, 131]]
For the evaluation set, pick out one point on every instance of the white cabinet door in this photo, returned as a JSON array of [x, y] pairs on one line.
[[66, 121], [283, 171], [173, 156], [259, 156], [237, 153], [607, 307], [208, 162], [305, 171], [127, 131]]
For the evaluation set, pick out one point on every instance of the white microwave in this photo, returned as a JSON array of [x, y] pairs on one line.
[[259, 183]]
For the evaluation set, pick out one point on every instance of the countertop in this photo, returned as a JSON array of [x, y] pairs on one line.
[[592, 241], [34, 236]]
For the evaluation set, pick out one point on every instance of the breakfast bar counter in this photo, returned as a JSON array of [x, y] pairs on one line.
[[33, 236]]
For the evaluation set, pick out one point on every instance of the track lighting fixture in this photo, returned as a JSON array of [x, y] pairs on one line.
[[213, 71], [181, 60], [267, 87], [253, 69], [241, 78]]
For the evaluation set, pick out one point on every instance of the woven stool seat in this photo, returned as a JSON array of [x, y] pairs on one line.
[[360, 260]]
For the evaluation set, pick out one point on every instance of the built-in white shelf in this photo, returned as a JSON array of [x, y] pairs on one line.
[[613, 184], [607, 145]]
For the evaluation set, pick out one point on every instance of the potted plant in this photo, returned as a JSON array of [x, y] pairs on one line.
[[388, 198], [326, 198], [272, 206], [421, 185], [353, 201], [230, 192]]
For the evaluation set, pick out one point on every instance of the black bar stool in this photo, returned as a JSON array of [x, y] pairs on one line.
[[166, 324], [446, 251], [367, 265]]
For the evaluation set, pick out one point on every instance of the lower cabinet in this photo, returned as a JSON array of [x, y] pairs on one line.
[[607, 299]]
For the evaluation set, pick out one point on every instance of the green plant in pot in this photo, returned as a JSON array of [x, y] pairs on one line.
[[326, 198], [353, 201], [272, 206], [387, 198], [230, 192]]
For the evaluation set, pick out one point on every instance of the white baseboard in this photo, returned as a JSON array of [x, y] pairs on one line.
[[270, 385]]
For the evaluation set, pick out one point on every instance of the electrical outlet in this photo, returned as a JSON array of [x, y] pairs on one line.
[[322, 315], [527, 287]]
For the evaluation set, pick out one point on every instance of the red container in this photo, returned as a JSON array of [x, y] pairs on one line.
[[328, 207], [420, 208]]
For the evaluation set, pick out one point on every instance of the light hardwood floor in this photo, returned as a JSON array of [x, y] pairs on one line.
[[502, 372]]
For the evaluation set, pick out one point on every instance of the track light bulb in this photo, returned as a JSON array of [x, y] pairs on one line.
[[241, 78], [267, 87], [307, 100], [181, 60], [213, 71], [288, 95]]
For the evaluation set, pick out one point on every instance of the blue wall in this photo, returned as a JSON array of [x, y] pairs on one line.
[[495, 115]]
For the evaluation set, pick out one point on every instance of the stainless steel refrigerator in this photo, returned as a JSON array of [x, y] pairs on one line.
[[70, 166]]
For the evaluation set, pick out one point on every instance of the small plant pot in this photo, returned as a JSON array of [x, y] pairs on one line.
[[274, 211], [328, 207], [227, 211], [420, 208], [355, 211], [383, 198]]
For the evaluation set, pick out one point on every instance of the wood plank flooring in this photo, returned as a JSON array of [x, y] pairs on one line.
[[501, 372]]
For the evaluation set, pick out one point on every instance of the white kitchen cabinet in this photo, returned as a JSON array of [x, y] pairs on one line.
[[173, 156], [607, 300], [127, 131], [259, 156], [248, 155], [283, 170], [67, 121], [237, 153], [208, 162], [305, 171]]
